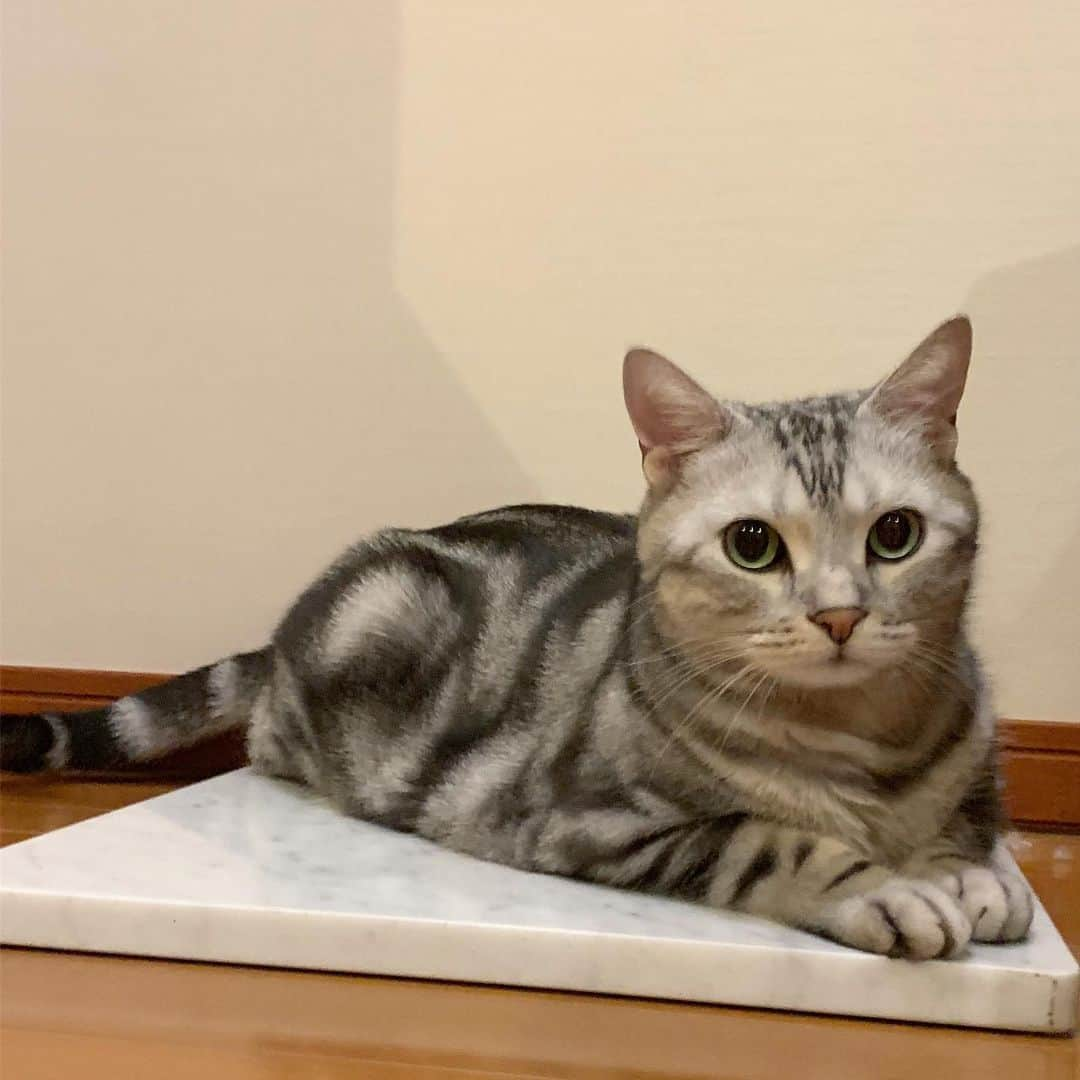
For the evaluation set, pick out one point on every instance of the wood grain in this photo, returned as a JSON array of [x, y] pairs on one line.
[[1042, 788], [78, 682], [1041, 735]]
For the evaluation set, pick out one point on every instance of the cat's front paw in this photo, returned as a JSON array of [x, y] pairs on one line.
[[998, 904], [910, 919]]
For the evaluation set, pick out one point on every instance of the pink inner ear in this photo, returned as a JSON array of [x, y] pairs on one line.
[[667, 408], [930, 382]]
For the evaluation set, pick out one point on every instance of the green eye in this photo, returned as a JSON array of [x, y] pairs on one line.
[[752, 544], [895, 535]]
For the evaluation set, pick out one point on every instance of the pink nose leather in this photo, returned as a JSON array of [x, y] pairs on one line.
[[838, 622]]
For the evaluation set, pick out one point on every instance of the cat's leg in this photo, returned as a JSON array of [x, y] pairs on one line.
[[993, 897], [748, 864], [823, 885], [280, 739]]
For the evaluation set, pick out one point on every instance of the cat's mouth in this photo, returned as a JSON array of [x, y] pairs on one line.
[[798, 658], [839, 668]]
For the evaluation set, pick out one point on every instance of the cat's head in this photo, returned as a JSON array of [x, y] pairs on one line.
[[819, 541]]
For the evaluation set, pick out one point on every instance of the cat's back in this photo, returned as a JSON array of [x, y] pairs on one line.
[[419, 587], [537, 533]]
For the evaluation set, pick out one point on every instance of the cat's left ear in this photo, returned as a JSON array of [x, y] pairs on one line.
[[924, 391]]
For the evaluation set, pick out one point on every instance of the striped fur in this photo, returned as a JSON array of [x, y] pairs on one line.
[[609, 697]]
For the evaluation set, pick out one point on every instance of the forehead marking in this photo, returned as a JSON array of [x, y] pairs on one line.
[[813, 438]]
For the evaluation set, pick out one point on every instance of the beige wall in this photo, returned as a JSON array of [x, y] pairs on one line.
[[279, 272]]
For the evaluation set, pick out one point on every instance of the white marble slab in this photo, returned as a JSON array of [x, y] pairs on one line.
[[249, 870]]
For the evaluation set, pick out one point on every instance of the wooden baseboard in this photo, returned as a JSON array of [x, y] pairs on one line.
[[76, 682], [1041, 760]]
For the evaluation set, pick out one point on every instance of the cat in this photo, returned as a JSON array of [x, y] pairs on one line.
[[757, 694]]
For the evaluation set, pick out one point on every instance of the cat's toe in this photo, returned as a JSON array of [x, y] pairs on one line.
[[998, 904], [913, 920]]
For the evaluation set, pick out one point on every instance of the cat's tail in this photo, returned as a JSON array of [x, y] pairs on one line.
[[181, 712]]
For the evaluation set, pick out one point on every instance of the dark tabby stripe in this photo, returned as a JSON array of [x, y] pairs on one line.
[[26, 743], [566, 608], [675, 862], [761, 866], [943, 925], [899, 781], [845, 875], [685, 866], [899, 940], [802, 853]]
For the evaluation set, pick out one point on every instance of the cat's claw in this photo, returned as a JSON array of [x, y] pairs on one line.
[[910, 919]]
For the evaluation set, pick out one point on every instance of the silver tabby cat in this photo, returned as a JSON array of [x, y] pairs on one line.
[[757, 694]]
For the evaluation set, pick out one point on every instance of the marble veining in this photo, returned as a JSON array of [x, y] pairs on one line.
[[246, 869]]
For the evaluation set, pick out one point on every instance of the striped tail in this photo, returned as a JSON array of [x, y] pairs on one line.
[[184, 711]]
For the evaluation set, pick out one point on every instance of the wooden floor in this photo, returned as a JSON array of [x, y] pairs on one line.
[[95, 1016]]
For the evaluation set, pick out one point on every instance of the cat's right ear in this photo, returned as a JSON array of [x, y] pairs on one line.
[[672, 415], [924, 391]]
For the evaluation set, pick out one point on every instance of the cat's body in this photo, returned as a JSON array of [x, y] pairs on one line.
[[628, 700]]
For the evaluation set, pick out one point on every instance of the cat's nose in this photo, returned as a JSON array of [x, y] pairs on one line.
[[839, 622]]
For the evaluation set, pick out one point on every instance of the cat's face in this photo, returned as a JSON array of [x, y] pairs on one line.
[[816, 542]]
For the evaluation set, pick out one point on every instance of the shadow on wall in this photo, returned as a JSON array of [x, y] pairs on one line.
[[200, 304], [419, 449], [1026, 379]]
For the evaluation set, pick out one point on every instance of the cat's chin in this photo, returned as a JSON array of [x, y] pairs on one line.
[[834, 672]]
